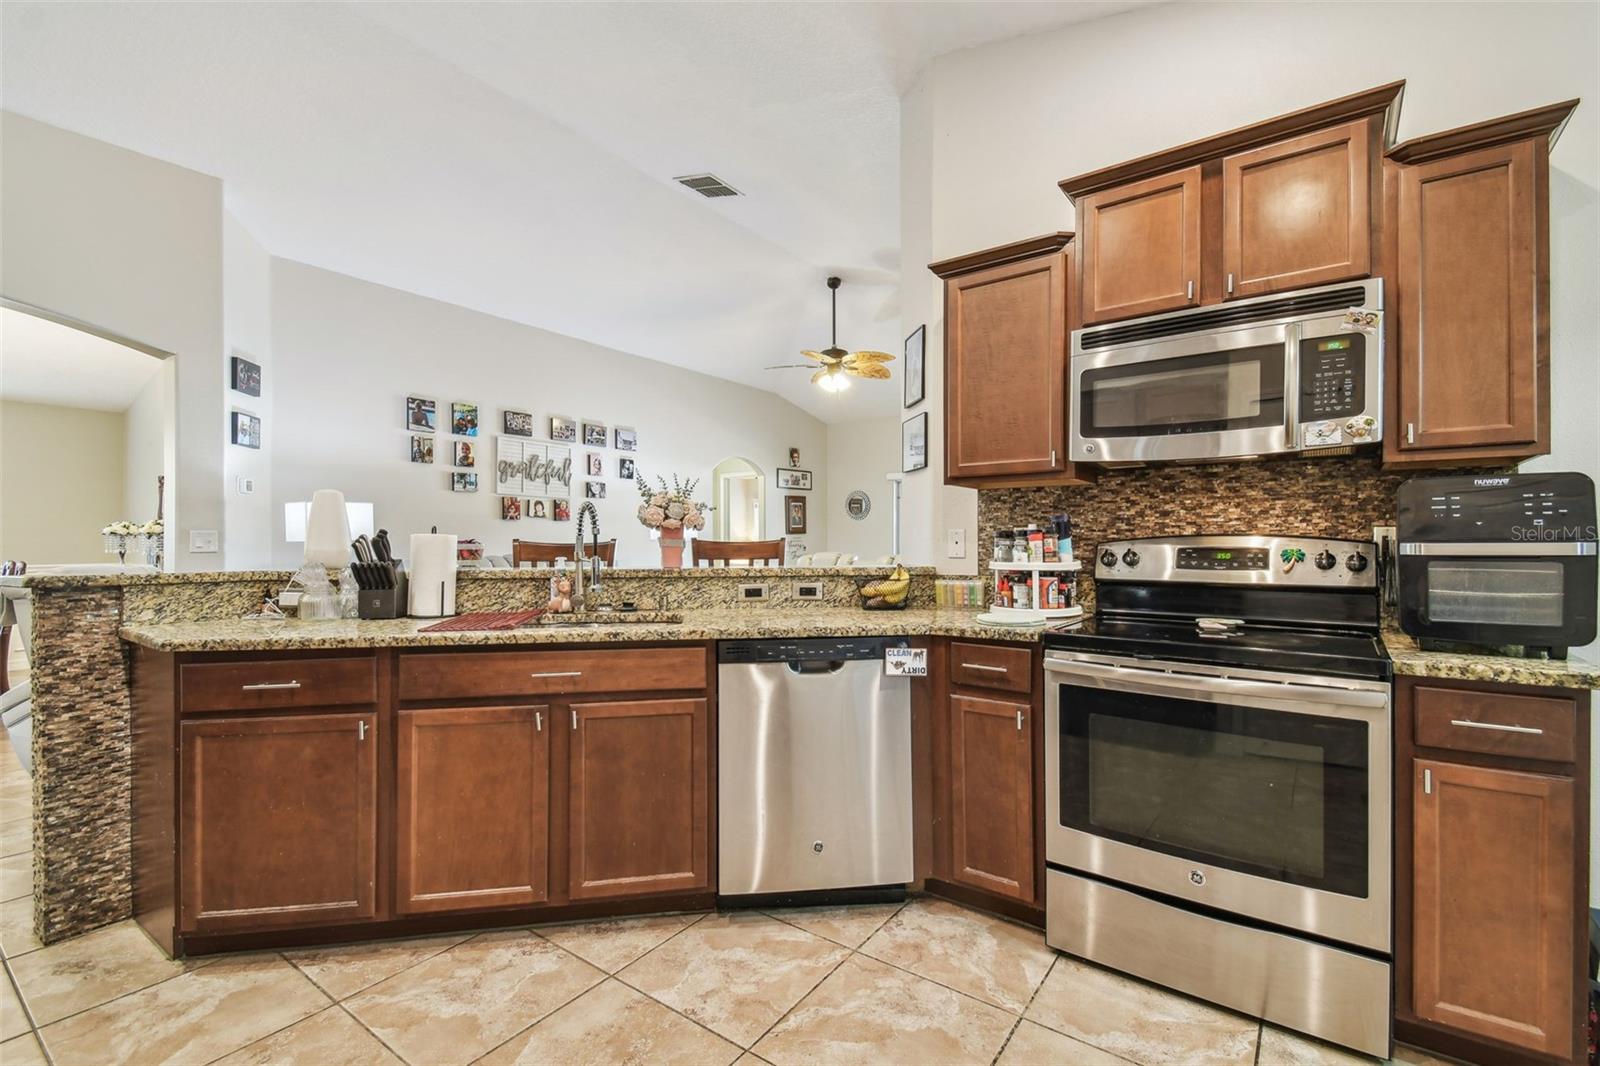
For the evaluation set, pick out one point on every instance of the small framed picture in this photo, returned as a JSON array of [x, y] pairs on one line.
[[914, 443], [626, 470], [794, 457], [594, 490], [421, 448], [794, 479], [246, 376], [627, 440], [464, 453], [563, 428], [561, 509], [538, 509], [916, 366], [518, 423], [510, 508], [246, 430], [463, 482], [464, 419], [794, 514], [421, 415], [595, 464], [858, 505], [594, 435]]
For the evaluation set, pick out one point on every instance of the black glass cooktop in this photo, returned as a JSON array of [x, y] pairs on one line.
[[1333, 652]]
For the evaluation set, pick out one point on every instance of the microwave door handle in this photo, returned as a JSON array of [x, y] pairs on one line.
[[1291, 386], [1185, 686]]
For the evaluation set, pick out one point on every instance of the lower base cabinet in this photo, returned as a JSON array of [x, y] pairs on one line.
[[991, 777], [278, 821], [472, 803]]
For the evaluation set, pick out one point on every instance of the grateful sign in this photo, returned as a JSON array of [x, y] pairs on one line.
[[526, 467]]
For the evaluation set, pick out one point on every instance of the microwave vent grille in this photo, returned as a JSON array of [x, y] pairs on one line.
[[1201, 321]]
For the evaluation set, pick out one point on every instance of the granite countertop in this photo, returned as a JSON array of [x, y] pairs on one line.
[[1412, 661], [730, 624]]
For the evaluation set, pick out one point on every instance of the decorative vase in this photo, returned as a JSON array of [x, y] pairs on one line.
[[672, 553]]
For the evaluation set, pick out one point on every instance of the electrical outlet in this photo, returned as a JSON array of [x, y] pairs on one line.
[[203, 541], [752, 593], [1384, 537], [808, 590], [955, 543]]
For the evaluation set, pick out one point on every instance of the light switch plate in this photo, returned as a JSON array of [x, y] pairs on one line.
[[203, 541], [955, 543], [247, 486]]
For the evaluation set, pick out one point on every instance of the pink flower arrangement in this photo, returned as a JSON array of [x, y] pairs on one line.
[[670, 507]]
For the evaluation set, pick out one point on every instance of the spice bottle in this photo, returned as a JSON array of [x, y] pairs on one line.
[[1003, 541], [1035, 544]]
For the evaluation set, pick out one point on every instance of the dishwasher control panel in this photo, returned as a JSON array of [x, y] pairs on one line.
[[821, 649]]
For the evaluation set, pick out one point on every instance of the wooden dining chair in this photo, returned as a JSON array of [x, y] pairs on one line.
[[542, 553], [751, 552]]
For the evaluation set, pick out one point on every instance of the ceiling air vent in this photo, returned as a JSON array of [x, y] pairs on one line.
[[707, 185]]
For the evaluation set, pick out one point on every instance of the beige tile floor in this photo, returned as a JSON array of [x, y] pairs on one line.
[[925, 982]]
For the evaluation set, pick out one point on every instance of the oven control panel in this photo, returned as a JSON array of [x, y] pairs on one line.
[[1290, 562]]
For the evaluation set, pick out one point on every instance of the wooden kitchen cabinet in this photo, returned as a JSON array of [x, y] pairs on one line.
[[1471, 295], [638, 805], [472, 799], [1006, 405], [992, 791], [278, 821], [1141, 247]]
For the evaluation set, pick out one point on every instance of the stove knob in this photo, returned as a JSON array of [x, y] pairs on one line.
[[1108, 558], [1325, 560], [1130, 557], [1356, 562]]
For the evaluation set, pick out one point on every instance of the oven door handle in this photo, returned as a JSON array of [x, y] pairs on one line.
[[1208, 687]]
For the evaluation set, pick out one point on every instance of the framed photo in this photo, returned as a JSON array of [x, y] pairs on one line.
[[464, 419], [794, 479], [794, 514], [421, 448], [626, 439], [563, 429], [510, 508], [538, 509], [626, 470], [421, 417], [594, 490], [463, 482], [246, 376], [518, 423], [561, 510], [794, 457], [594, 435], [916, 366], [246, 430], [464, 453], [596, 464], [914, 443]]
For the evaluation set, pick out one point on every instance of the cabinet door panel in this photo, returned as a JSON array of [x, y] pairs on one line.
[[472, 820], [1468, 302], [1141, 247], [1493, 905], [1007, 369], [992, 795], [638, 803], [278, 820], [1297, 213]]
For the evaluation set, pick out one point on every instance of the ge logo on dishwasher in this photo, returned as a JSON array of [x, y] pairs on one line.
[[1197, 876]]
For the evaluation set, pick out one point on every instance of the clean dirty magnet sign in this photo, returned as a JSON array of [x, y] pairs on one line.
[[905, 662]]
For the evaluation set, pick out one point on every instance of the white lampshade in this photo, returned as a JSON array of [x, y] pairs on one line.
[[327, 529], [359, 516]]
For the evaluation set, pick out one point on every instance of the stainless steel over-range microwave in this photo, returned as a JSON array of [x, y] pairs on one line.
[[1293, 372]]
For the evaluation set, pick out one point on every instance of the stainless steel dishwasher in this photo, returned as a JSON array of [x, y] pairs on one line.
[[813, 767]]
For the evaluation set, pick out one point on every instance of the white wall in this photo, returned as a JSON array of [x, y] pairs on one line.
[[247, 332], [144, 459], [861, 455], [134, 246], [61, 480], [346, 354]]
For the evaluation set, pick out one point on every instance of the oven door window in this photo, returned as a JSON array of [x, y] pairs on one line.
[[1263, 792], [1499, 592], [1237, 389]]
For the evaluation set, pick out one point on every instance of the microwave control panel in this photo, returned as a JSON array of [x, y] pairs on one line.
[[1333, 376]]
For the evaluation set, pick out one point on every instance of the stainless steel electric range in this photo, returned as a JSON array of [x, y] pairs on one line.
[[1218, 768]]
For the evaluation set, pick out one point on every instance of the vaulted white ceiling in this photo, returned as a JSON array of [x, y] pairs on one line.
[[516, 158]]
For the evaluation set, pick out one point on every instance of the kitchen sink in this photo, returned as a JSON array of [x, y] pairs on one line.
[[592, 619]]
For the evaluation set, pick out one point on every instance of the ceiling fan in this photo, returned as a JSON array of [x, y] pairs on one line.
[[838, 365]]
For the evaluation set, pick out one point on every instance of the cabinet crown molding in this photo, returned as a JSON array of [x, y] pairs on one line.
[[1001, 254], [1547, 121], [1384, 99]]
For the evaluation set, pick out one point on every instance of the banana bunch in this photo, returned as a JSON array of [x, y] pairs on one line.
[[890, 591]]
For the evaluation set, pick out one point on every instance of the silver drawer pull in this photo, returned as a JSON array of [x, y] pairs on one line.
[[538, 722], [557, 673], [1497, 727], [980, 666], [267, 686]]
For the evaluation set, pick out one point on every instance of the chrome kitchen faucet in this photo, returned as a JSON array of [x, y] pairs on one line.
[[578, 597]]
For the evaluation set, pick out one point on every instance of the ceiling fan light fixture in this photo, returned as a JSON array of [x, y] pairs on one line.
[[833, 380]]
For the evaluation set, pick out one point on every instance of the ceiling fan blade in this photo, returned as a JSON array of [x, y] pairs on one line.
[[818, 356], [869, 357], [791, 366], [869, 370]]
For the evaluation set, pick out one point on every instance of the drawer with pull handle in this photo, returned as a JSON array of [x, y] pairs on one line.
[[509, 674], [1495, 723], [276, 684], [991, 666]]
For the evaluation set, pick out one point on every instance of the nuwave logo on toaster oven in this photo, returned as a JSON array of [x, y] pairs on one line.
[[1488, 481]]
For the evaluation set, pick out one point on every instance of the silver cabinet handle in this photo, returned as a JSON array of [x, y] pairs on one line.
[[1019, 720], [538, 722], [574, 717], [1189, 291], [981, 666], [361, 730], [1427, 782], [265, 686], [1230, 284], [1208, 687], [557, 673], [1411, 433], [1463, 723]]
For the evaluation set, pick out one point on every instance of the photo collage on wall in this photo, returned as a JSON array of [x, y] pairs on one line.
[[245, 379]]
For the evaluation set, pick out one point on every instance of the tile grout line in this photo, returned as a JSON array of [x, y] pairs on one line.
[[1021, 1017], [27, 1012], [849, 953], [338, 1005], [281, 1028]]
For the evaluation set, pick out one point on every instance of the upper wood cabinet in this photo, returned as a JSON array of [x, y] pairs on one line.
[[1471, 295], [1141, 247], [1297, 212], [991, 785], [1005, 360]]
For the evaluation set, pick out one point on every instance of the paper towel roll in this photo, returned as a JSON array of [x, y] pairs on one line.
[[433, 575]]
